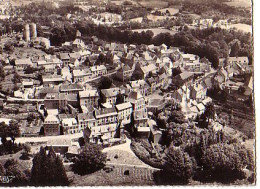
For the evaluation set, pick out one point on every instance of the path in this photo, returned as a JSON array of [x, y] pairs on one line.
[[46, 138]]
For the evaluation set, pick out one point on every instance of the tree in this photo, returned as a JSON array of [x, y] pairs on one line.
[[3, 132], [120, 98], [25, 154], [210, 111], [12, 168], [2, 170], [13, 130], [48, 170], [137, 75], [224, 162], [105, 83], [176, 71], [89, 160], [81, 141], [177, 167]]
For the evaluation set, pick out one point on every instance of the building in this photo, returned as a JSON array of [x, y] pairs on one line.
[[124, 73], [98, 70], [65, 58], [73, 88], [198, 92], [89, 97], [124, 111], [86, 121], [81, 75], [146, 70], [110, 95], [51, 80], [55, 101], [51, 126], [243, 61], [139, 108], [60, 145], [21, 64], [155, 105], [70, 126], [155, 134], [141, 86], [106, 116]]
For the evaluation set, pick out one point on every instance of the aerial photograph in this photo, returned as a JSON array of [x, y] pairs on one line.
[[127, 93]]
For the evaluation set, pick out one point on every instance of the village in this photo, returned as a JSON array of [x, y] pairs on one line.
[[112, 93]]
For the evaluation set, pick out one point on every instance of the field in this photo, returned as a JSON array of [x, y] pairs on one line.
[[242, 27], [240, 3], [121, 162], [154, 4], [156, 31], [241, 118], [172, 11], [136, 177]]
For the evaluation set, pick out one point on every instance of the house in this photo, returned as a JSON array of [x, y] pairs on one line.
[[241, 60], [73, 88], [45, 90], [155, 105], [198, 92], [139, 108], [110, 95], [201, 108], [221, 62], [66, 74], [65, 58], [51, 80], [124, 73], [86, 121], [106, 116], [21, 64], [142, 86], [146, 70], [124, 111], [78, 43], [55, 101], [182, 94], [98, 70], [220, 77], [106, 125], [81, 75], [89, 97], [59, 145], [51, 126], [155, 134], [183, 78], [70, 126], [72, 100]]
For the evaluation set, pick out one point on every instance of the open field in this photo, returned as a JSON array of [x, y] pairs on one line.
[[240, 3], [242, 27], [242, 118], [136, 177], [154, 4], [156, 31], [172, 11]]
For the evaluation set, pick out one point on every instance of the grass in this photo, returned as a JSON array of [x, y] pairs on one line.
[[156, 31], [240, 3], [242, 118], [154, 4], [136, 177]]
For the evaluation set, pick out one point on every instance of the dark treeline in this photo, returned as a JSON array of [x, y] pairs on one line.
[[212, 43]]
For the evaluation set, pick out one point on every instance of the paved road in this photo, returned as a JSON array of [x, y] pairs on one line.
[[46, 138]]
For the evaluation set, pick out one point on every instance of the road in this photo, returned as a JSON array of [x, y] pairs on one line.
[[46, 138]]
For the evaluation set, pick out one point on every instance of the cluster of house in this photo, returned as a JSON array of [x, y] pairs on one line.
[[230, 67], [208, 22], [71, 105]]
